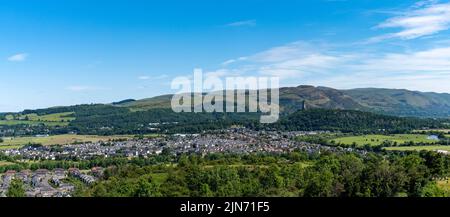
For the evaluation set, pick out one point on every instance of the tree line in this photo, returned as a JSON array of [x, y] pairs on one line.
[[287, 175]]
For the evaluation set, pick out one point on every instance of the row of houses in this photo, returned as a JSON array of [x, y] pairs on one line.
[[45, 183], [87, 179]]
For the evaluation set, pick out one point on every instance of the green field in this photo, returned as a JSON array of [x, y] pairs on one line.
[[60, 119], [159, 178], [444, 184], [19, 122], [57, 117], [420, 148], [14, 142], [379, 139], [5, 163], [432, 130], [9, 146]]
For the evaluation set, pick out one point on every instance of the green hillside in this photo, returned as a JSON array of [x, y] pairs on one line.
[[374, 140], [402, 102], [150, 103], [350, 121], [302, 108], [385, 101]]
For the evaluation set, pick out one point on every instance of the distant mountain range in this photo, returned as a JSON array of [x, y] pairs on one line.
[[302, 108], [397, 102]]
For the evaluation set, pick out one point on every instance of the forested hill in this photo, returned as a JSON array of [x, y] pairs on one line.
[[351, 121], [402, 102], [302, 108], [165, 120], [398, 102], [108, 119], [158, 120]]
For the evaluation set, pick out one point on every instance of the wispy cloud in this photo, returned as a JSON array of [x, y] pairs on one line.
[[82, 88], [423, 19], [230, 61], [147, 77], [420, 4], [242, 23], [18, 57], [144, 77], [292, 60], [162, 76], [430, 61], [348, 66]]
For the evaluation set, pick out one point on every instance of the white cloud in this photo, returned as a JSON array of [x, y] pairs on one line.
[[162, 76], [423, 19], [424, 70], [242, 23], [146, 77], [281, 53], [424, 3], [314, 63], [18, 57], [82, 88], [348, 67], [225, 72], [425, 61], [419, 82], [291, 60], [230, 61]]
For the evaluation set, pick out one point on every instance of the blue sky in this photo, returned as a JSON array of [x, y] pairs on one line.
[[71, 52]]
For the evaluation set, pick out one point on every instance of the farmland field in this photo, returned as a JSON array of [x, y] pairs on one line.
[[54, 140], [433, 130], [9, 146], [379, 139], [19, 122], [57, 117], [61, 119], [444, 184], [5, 163], [420, 148]]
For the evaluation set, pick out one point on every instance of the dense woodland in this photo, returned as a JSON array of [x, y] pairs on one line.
[[119, 122], [288, 175], [294, 174], [352, 121], [108, 120]]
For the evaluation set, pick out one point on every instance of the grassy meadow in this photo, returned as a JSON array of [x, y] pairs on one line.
[[15, 142], [444, 184], [20, 122], [57, 117], [420, 148], [374, 140], [5, 163], [433, 130], [61, 119]]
